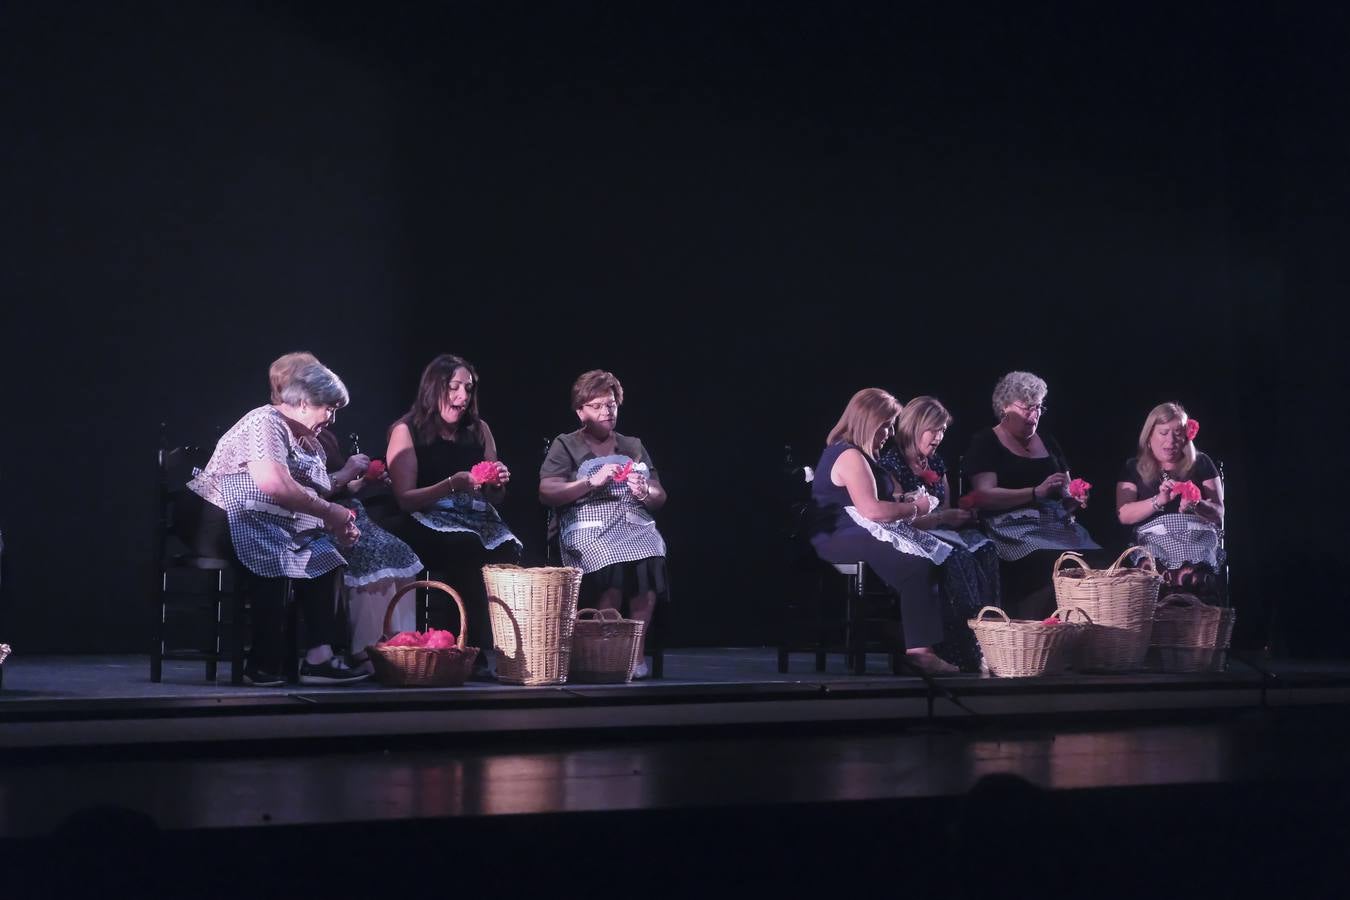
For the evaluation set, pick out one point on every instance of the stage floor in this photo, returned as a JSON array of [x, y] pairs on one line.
[[108, 700]]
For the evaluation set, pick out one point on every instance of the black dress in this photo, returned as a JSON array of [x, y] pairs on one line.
[[838, 539]]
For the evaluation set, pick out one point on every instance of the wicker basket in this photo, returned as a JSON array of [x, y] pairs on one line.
[[1119, 601], [605, 646], [1185, 631], [423, 666], [1066, 652], [533, 613], [1018, 648]]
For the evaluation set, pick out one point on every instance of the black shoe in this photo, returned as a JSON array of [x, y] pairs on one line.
[[263, 678], [334, 671]]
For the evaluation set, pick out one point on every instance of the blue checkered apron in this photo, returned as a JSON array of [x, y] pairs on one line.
[[608, 525]]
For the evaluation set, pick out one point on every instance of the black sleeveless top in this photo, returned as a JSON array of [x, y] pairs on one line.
[[440, 459]]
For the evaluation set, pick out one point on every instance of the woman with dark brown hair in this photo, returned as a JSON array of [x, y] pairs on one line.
[[452, 523], [603, 489], [856, 518]]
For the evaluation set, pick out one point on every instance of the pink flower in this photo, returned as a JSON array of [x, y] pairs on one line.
[[1050, 621], [485, 472], [375, 471], [406, 639], [1192, 429], [622, 472], [1187, 491], [967, 501], [1078, 489], [930, 477]]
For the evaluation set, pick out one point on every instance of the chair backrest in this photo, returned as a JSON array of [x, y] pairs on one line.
[[174, 467]]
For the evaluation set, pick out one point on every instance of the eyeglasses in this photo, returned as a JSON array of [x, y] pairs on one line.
[[600, 405], [1026, 410]]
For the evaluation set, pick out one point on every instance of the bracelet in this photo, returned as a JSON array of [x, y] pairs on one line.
[[1156, 507], [1034, 498]]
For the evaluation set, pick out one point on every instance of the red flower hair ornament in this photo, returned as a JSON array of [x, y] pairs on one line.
[[1192, 429]]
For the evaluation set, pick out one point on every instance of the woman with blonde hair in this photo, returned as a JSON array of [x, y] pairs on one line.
[[969, 577], [857, 515], [1170, 493]]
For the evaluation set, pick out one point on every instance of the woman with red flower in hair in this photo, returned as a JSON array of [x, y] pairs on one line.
[[443, 466], [602, 489], [1171, 494], [969, 576]]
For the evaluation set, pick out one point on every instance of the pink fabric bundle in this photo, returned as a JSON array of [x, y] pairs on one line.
[[376, 470], [622, 472], [1187, 491], [967, 501], [1078, 489], [485, 472], [930, 477], [433, 639]]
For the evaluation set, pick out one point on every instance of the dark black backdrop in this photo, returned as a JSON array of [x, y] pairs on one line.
[[745, 210]]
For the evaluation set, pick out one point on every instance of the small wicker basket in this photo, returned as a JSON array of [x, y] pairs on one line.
[[1019, 648], [605, 646], [1185, 632], [423, 666], [1224, 639], [533, 613]]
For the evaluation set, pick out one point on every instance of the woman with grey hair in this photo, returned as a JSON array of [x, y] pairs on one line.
[[260, 501], [1019, 480]]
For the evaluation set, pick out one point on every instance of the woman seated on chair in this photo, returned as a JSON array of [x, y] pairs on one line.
[[1172, 496], [859, 516], [969, 577], [603, 488], [434, 457], [1019, 480], [261, 503]]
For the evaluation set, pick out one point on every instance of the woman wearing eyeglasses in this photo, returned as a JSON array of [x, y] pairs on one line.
[[603, 488], [1019, 479]]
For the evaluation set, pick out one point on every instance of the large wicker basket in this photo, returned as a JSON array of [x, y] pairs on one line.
[[1019, 648], [1120, 601], [533, 612], [1185, 631], [1224, 639], [605, 646], [423, 666]]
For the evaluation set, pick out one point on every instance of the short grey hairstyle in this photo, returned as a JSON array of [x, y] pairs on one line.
[[1018, 387], [315, 384]]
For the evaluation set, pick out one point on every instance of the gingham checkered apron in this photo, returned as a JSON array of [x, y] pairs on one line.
[[1178, 538], [608, 525], [1021, 532]]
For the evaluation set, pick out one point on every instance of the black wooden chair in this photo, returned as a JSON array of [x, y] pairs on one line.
[[194, 593], [831, 607]]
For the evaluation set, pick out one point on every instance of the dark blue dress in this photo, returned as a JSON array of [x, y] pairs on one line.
[[838, 539], [969, 579]]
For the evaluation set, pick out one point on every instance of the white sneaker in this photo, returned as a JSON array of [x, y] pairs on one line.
[[640, 670]]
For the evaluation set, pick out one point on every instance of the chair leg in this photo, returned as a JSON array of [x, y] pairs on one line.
[[157, 639], [291, 634], [658, 663], [220, 608], [782, 661], [855, 643], [237, 613]]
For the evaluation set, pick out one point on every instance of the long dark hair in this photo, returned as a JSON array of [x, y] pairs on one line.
[[424, 417]]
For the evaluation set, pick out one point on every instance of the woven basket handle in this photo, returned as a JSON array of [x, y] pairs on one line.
[[979, 617], [1069, 611], [1184, 601], [1151, 568], [1069, 555], [600, 615], [437, 585]]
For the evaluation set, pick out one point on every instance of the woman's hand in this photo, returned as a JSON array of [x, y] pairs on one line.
[[1165, 494], [461, 482], [355, 466], [924, 501], [336, 518], [349, 535], [603, 474], [956, 518], [1056, 482], [503, 474], [638, 486]]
